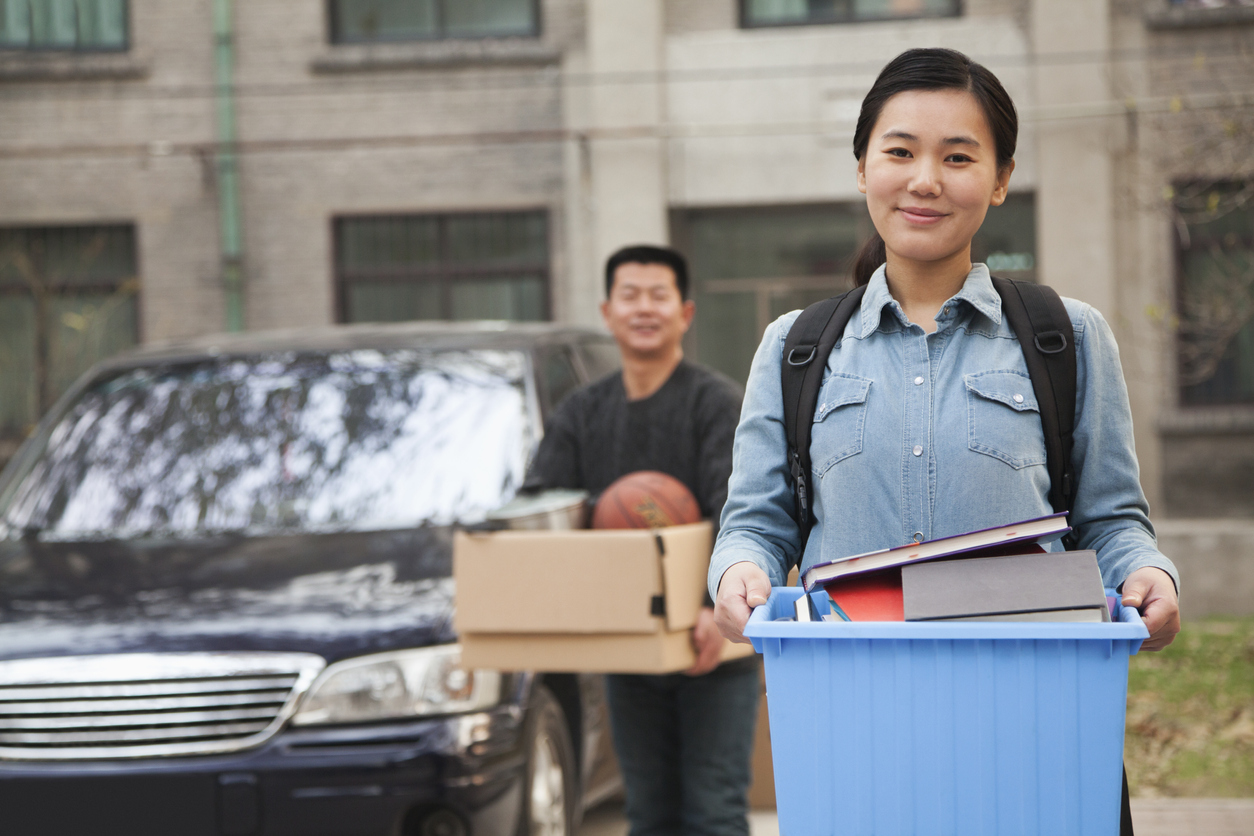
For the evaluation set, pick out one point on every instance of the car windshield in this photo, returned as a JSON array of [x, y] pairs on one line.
[[350, 441]]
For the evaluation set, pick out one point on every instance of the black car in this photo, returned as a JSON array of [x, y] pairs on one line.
[[226, 596]]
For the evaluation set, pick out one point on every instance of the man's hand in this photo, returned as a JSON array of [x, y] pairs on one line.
[[743, 586], [707, 642], [1153, 593]]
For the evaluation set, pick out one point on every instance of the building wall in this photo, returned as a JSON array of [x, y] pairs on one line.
[[619, 114]]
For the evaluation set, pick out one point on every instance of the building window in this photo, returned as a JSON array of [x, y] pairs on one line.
[[465, 266], [63, 24], [371, 21], [1006, 242], [751, 266], [1215, 340], [68, 297], [799, 12]]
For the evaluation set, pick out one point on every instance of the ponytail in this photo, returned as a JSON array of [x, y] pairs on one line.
[[868, 259]]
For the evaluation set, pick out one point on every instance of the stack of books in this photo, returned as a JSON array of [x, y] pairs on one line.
[[996, 574]]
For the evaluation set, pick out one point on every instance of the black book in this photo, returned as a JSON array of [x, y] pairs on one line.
[[1049, 586]]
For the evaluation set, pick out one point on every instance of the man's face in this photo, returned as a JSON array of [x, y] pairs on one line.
[[645, 312]]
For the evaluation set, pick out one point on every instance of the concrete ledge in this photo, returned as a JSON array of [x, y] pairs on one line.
[[1216, 562], [1195, 17], [350, 58], [1215, 420], [70, 66]]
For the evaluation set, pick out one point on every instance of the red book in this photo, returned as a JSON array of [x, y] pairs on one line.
[[872, 596]]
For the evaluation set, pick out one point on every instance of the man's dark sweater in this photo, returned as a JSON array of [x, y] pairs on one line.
[[685, 428]]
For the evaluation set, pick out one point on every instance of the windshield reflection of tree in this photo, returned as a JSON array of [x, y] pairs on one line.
[[362, 440]]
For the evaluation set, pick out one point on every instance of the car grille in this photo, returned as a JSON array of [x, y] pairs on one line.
[[147, 705]]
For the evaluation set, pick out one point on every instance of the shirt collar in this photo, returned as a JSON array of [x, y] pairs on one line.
[[977, 290]]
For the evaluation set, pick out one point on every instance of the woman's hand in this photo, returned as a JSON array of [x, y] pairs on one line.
[[1153, 593], [743, 586]]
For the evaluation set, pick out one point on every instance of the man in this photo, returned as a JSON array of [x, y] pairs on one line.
[[683, 740]]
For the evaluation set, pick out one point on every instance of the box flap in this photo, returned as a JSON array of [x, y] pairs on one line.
[[557, 581], [685, 566], [661, 652]]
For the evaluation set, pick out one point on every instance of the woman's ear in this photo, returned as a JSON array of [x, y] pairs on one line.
[[862, 174], [1003, 184]]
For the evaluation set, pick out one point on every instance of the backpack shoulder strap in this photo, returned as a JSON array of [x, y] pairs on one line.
[[806, 348], [1040, 321]]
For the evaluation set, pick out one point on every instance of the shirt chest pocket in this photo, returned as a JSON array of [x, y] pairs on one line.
[[839, 421], [1003, 418]]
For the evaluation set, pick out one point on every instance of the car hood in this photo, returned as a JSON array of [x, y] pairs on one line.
[[336, 595]]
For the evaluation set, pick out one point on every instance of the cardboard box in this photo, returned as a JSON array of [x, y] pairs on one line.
[[621, 601]]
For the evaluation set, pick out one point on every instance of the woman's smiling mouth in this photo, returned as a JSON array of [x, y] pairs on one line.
[[919, 215]]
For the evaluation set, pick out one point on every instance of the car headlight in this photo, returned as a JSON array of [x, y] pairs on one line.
[[407, 683]]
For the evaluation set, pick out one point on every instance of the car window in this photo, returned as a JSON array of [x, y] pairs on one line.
[[557, 375], [351, 441], [600, 357]]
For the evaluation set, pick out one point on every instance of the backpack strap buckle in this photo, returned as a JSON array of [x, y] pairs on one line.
[[1055, 342], [805, 361]]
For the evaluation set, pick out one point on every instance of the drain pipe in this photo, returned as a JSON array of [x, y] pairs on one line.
[[228, 166]]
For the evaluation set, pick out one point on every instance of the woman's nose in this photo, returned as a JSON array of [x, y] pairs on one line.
[[926, 179]]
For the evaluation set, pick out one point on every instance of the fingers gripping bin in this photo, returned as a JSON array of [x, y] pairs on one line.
[[945, 729]]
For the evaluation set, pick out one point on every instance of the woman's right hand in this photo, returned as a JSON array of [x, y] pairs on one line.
[[743, 586]]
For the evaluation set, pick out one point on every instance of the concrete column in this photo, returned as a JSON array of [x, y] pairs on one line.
[[620, 155], [1075, 198]]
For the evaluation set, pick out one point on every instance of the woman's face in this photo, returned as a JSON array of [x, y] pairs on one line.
[[929, 175]]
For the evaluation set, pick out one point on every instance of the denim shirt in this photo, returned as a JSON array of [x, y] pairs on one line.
[[918, 436]]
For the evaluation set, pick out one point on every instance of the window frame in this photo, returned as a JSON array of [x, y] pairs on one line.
[[44, 394], [444, 276], [334, 38], [77, 49], [744, 21], [1178, 264]]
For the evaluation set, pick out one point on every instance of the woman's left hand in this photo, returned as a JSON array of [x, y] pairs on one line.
[[1153, 593]]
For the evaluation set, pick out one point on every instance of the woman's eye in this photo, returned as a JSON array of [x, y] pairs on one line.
[[958, 158], [898, 152]]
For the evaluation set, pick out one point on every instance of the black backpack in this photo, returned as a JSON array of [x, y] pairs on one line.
[[1050, 354]]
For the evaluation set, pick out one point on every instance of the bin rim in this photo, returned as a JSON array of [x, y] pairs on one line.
[[760, 626]]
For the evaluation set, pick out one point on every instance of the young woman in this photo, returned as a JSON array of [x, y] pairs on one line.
[[914, 437]]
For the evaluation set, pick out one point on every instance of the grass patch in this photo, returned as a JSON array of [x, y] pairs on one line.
[[1190, 725]]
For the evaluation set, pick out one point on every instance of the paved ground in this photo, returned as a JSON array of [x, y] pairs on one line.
[[1152, 817]]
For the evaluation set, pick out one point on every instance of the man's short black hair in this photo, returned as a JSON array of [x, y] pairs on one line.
[[648, 254]]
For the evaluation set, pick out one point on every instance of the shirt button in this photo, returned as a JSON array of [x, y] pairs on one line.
[[918, 381], [918, 449], [1018, 398], [918, 537]]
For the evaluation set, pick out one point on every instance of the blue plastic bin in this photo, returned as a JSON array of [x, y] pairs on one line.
[[939, 729]]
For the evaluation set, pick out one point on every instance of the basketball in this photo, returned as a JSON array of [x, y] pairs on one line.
[[645, 499]]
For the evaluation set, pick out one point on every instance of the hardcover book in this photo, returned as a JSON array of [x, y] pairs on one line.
[[1053, 586], [870, 596], [1019, 536]]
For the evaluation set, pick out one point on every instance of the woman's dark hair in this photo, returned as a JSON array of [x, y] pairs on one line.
[[648, 254], [932, 69]]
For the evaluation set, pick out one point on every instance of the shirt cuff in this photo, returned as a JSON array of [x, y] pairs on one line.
[[726, 558]]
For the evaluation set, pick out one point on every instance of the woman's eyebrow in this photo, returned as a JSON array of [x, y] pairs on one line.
[[949, 140]]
